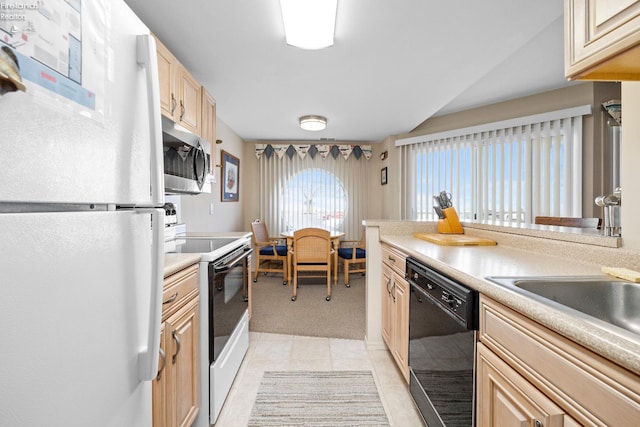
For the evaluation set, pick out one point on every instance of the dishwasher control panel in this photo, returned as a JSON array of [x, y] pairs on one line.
[[454, 298]]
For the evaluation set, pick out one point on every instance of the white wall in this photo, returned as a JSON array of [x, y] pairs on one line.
[[629, 171], [205, 212]]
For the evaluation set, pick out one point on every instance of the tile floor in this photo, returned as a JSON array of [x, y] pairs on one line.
[[272, 352]]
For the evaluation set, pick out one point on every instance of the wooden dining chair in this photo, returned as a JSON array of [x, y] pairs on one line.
[[271, 253], [353, 253], [564, 221], [311, 253]]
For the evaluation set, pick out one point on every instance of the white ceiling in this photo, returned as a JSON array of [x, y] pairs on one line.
[[393, 65]]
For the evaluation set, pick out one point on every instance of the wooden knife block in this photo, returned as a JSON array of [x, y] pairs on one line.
[[450, 224]]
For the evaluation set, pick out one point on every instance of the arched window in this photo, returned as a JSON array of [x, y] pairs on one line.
[[328, 192], [314, 198]]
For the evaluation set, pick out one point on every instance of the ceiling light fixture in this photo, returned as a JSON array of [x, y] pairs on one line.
[[309, 24], [313, 123]]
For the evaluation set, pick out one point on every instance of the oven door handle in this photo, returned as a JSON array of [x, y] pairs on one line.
[[228, 265]]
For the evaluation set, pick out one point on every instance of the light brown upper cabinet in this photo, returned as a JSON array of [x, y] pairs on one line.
[[180, 93], [602, 39], [209, 123]]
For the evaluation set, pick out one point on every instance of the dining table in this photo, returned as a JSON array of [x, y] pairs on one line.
[[334, 236]]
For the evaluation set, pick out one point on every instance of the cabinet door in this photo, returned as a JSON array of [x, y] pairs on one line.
[[387, 305], [182, 358], [159, 387], [189, 101], [602, 39], [401, 324], [166, 75], [209, 124], [506, 398]]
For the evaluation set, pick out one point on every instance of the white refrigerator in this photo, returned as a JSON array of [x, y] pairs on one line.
[[81, 224]]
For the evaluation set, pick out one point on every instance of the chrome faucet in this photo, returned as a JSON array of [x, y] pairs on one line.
[[610, 204]]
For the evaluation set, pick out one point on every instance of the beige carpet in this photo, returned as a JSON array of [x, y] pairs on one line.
[[310, 315]]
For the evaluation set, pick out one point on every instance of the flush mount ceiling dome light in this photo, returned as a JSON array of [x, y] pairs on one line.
[[313, 123], [309, 24]]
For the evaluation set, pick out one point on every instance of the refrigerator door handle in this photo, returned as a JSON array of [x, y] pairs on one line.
[[147, 58], [148, 356]]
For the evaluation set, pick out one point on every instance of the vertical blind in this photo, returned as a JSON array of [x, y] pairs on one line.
[[508, 171], [328, 193]]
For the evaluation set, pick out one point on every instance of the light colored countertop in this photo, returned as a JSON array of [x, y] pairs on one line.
[[176, 262], [526, 256]]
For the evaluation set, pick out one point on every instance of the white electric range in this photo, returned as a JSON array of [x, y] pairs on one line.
[[223, 281]]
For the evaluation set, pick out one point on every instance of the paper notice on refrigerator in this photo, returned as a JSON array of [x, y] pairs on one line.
[[60, 46]]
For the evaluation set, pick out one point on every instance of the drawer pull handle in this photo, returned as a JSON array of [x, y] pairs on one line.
[[392, 259], [171, 299], [176, 338]]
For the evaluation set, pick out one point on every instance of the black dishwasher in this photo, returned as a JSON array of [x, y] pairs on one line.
[[443, 319]]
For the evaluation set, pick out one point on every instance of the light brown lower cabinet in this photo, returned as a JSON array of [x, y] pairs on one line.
[[508, 399], [176, 389], [529, 375], [395, 308]]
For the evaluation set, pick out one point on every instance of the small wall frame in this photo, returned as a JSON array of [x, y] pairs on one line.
[[229, 177]]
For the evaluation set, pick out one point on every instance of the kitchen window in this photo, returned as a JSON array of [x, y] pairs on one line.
[[509, 171], [325, 192], [313, 197]]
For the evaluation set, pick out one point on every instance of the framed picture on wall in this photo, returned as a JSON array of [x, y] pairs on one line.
[[229, 177], [383, 176]]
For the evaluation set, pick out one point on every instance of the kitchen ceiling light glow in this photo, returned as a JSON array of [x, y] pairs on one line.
[[309, 24], [313, 123]]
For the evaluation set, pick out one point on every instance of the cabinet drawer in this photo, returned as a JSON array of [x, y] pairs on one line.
[[590, 388], [394, 259], [178, 289]]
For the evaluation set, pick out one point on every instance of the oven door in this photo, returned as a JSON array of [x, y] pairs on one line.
[[228, 296], [441, 363]]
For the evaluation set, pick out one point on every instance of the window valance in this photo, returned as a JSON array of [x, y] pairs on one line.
[[323, 150]]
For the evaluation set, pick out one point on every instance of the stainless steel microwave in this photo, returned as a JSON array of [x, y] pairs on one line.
[[187, 160]]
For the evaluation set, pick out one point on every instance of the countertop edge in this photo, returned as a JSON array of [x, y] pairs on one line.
[[176, 262]]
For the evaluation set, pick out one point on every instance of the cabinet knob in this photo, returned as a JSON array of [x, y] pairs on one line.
[[539, 423]]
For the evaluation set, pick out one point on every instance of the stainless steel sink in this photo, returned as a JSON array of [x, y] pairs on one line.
[[615, 302]]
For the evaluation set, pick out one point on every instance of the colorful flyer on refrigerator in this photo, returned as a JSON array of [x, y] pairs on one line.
[[60, 47]]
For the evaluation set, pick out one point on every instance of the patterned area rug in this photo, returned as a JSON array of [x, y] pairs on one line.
[[318, 398]]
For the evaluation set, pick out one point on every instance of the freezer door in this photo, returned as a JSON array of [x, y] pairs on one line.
[[74, 312], [52, 153]]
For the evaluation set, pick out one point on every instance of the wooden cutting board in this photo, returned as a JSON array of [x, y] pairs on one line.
[[454, 239]]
